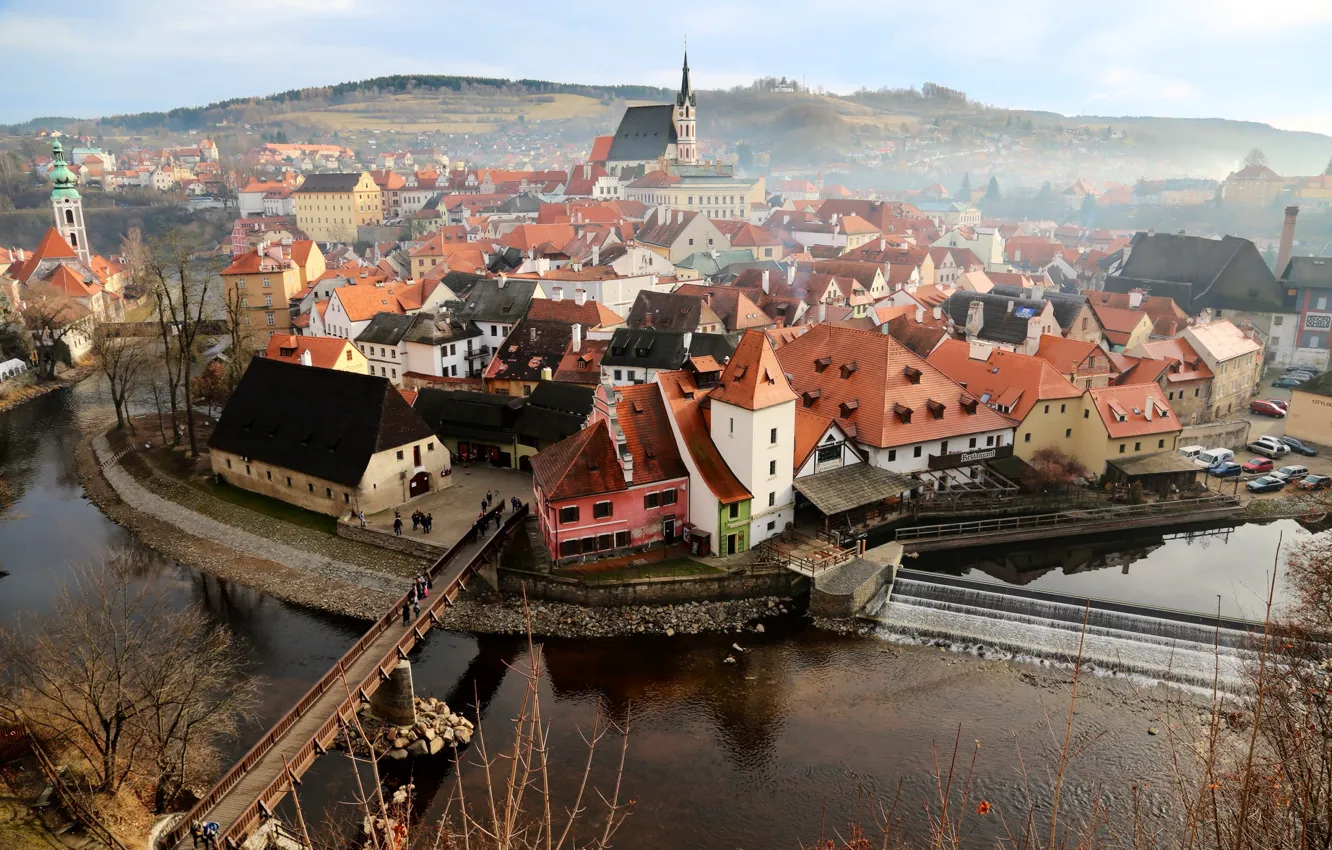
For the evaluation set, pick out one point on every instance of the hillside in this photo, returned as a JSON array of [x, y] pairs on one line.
[[797, 127]]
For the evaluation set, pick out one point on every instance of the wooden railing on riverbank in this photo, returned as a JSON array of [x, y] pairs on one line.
[[251, 790], [88, 819], [1065, 523]]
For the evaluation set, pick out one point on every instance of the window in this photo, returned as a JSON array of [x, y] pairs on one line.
[[1086, 414], [1121, 448], [1137, 447], [328, 491], [601, 510], [735, 510], [399, 454], [772, 524], [772, 499], [271, 320], [1027, 437], [732, 426], [268, 475], [247, 469], [772, 468], [1196, 392], [892, 455], [629, 374], [1276, 320], [651, 500], [311, 487], [1062, 408], [568, 548], [349, 354], [288, 480], [1068, 432], [617, 375], [668, 496], [621, 539], [989, 441], [1160, 444], [772, 437], [267, 283], [1047, 408], [569, 513], [916, 452]]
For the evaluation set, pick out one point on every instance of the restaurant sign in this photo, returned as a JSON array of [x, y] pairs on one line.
[[953, 460]]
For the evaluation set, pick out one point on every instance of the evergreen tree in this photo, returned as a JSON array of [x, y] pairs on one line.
[[964, 191], [1328, 169], [992, 191]]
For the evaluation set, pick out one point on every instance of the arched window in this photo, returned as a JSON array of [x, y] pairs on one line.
[[69, 216], [74, 240]]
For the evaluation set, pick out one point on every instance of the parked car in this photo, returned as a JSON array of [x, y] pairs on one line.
[[1266, 408], [1212, 457], [1282, 403], [1258, 464], [1300, 447], [1269, 447], [1266, 484], [1192, 452], [1290, 369], [1315, 482], [1226, 469], [1291, 473], [1286, 382]]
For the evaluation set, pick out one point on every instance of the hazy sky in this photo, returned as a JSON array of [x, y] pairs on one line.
[[1193, 58]]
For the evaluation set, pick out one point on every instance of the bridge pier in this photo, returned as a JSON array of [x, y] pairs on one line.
[[394, 701]]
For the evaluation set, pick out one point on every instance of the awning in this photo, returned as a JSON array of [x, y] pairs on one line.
[[853, 486]]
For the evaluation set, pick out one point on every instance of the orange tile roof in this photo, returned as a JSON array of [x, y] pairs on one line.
[[525, 237], [854, 225], [325, 351], [809, 429], [1065, 354], [71, 285], [360, 302], [300, 251], [408, 396], [641, 412], [1129, 404], [684, 398], [601, 146], [1191, 366], [588, 356], [581, 464], [753, 379], [1119, 319], [52, 247], [864, 380], [589, 314], [1014, 381]]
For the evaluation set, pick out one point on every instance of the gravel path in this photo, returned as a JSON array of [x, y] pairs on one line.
[[232, 535]]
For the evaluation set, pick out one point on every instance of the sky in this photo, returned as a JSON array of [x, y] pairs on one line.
[[1184, 58]]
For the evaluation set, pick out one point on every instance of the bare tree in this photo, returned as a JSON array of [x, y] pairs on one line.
[[116, 671], [239, 336], [52, 317], [1255, 158], [124, 361]]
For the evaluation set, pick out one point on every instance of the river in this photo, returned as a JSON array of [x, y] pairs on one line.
[[721, 756]]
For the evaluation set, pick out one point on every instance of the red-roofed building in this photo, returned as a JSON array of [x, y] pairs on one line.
[[324, 352], [1125, 422], [617, 486]]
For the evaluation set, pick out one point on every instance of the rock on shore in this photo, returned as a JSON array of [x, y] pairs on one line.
[[560, 619]]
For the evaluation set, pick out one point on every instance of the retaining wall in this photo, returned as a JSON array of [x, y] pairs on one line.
[[667, 590], [844, 590], [405, 545], [1233, 434]]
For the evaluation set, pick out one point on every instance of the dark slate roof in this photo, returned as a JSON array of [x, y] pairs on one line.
[[320, 422], [461, 283], [1066, 306], [469, 415], [1224, 274], [999, 323], [490, 302], [335, 182], [1310, 272], [386, 328], [656, 349], [644, 133], [665, 311], [521, 203], [431, 329], [529, 348], [506, 260], [563, 397]]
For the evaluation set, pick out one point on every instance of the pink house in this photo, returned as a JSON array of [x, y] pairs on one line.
[[617, 486]]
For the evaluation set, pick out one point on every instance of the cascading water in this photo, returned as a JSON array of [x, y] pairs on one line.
[[983, 617]]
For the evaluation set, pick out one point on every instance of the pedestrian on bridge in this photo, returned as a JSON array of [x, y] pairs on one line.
[[210, 831], [406, 613], [196, 833]]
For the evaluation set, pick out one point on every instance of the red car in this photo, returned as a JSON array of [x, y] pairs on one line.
[[1266, 408], [1281, 403], [1258, 464]]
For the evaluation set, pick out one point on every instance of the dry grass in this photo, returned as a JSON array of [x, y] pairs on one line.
[[419, 113]]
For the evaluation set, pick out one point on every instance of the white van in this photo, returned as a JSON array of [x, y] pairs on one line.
[[1191, 452], [1212, 457]]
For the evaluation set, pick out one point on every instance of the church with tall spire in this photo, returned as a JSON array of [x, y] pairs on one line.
[[649, 136], [686, 142]]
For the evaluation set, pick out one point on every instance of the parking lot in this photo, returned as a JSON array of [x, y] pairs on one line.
[[1269, 426]]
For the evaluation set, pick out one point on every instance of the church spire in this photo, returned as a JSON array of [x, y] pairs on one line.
[[686, 94], [67, 204]]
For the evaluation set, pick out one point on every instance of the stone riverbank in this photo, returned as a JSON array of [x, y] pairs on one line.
[[495, 615], [28, 392]]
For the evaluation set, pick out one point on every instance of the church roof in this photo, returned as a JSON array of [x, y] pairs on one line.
[[644, 133]]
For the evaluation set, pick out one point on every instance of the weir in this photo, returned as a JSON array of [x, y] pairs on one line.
[[1120, 638]]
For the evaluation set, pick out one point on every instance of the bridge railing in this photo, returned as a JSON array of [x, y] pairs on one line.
[[1073, 517], [243, 823]]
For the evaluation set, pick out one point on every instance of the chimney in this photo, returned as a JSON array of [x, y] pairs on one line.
[[580, 297], [766, 284], [557, 293], [937, 312], [1135, 299], [534, 334], [1010, 305], [920, 314], [975, 318], [1287, 239], [687, 340], [306, 359], [978, 351], [576, 344], [823, 311], [1037, 292], [545, 373], [587, 171], [503, 279], [790, 275], [1149, 408], [596, 255]]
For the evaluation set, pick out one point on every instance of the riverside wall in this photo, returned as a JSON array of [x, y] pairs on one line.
[[666, 590]]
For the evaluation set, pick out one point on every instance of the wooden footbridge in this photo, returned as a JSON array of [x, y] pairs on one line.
[[249, 792], [1070, 523]]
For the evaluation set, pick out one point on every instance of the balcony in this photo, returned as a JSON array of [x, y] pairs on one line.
[[481, 351]]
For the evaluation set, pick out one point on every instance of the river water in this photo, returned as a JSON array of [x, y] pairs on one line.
[[721, 756]]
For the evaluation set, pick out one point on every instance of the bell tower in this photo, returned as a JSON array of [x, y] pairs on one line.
[[67, 204], [686, 145]]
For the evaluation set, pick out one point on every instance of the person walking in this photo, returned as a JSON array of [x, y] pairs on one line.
[[416, 519], [406, 613], [196, 832], [210, 831], [483, 505], [397, 525], [430, 522], [416, 608], [361, 515]]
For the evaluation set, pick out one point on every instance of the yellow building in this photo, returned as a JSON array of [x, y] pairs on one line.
[[711, 191], [1310, 414], [330, 207], [1124, 422], [324, 352], [1314, 193], [309, 260], [260, 284]]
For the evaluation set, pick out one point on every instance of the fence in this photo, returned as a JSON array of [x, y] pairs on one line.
[[1064, 518], [360, 692], [69, 798]]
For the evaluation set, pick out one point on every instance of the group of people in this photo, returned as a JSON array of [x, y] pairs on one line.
[[421, 520], [205, 833], [411, 609]]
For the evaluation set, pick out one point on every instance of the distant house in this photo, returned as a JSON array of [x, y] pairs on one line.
[[1002, 320], [329, 441], [1252, 186], [636, 356], [324, 352], [1197, 273]]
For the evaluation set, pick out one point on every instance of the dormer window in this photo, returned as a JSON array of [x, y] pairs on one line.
[[811, 396], [912, 374], [822, 363], [902, 412], [849, 369], [935, 408], [849, 407], [968, 403]]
